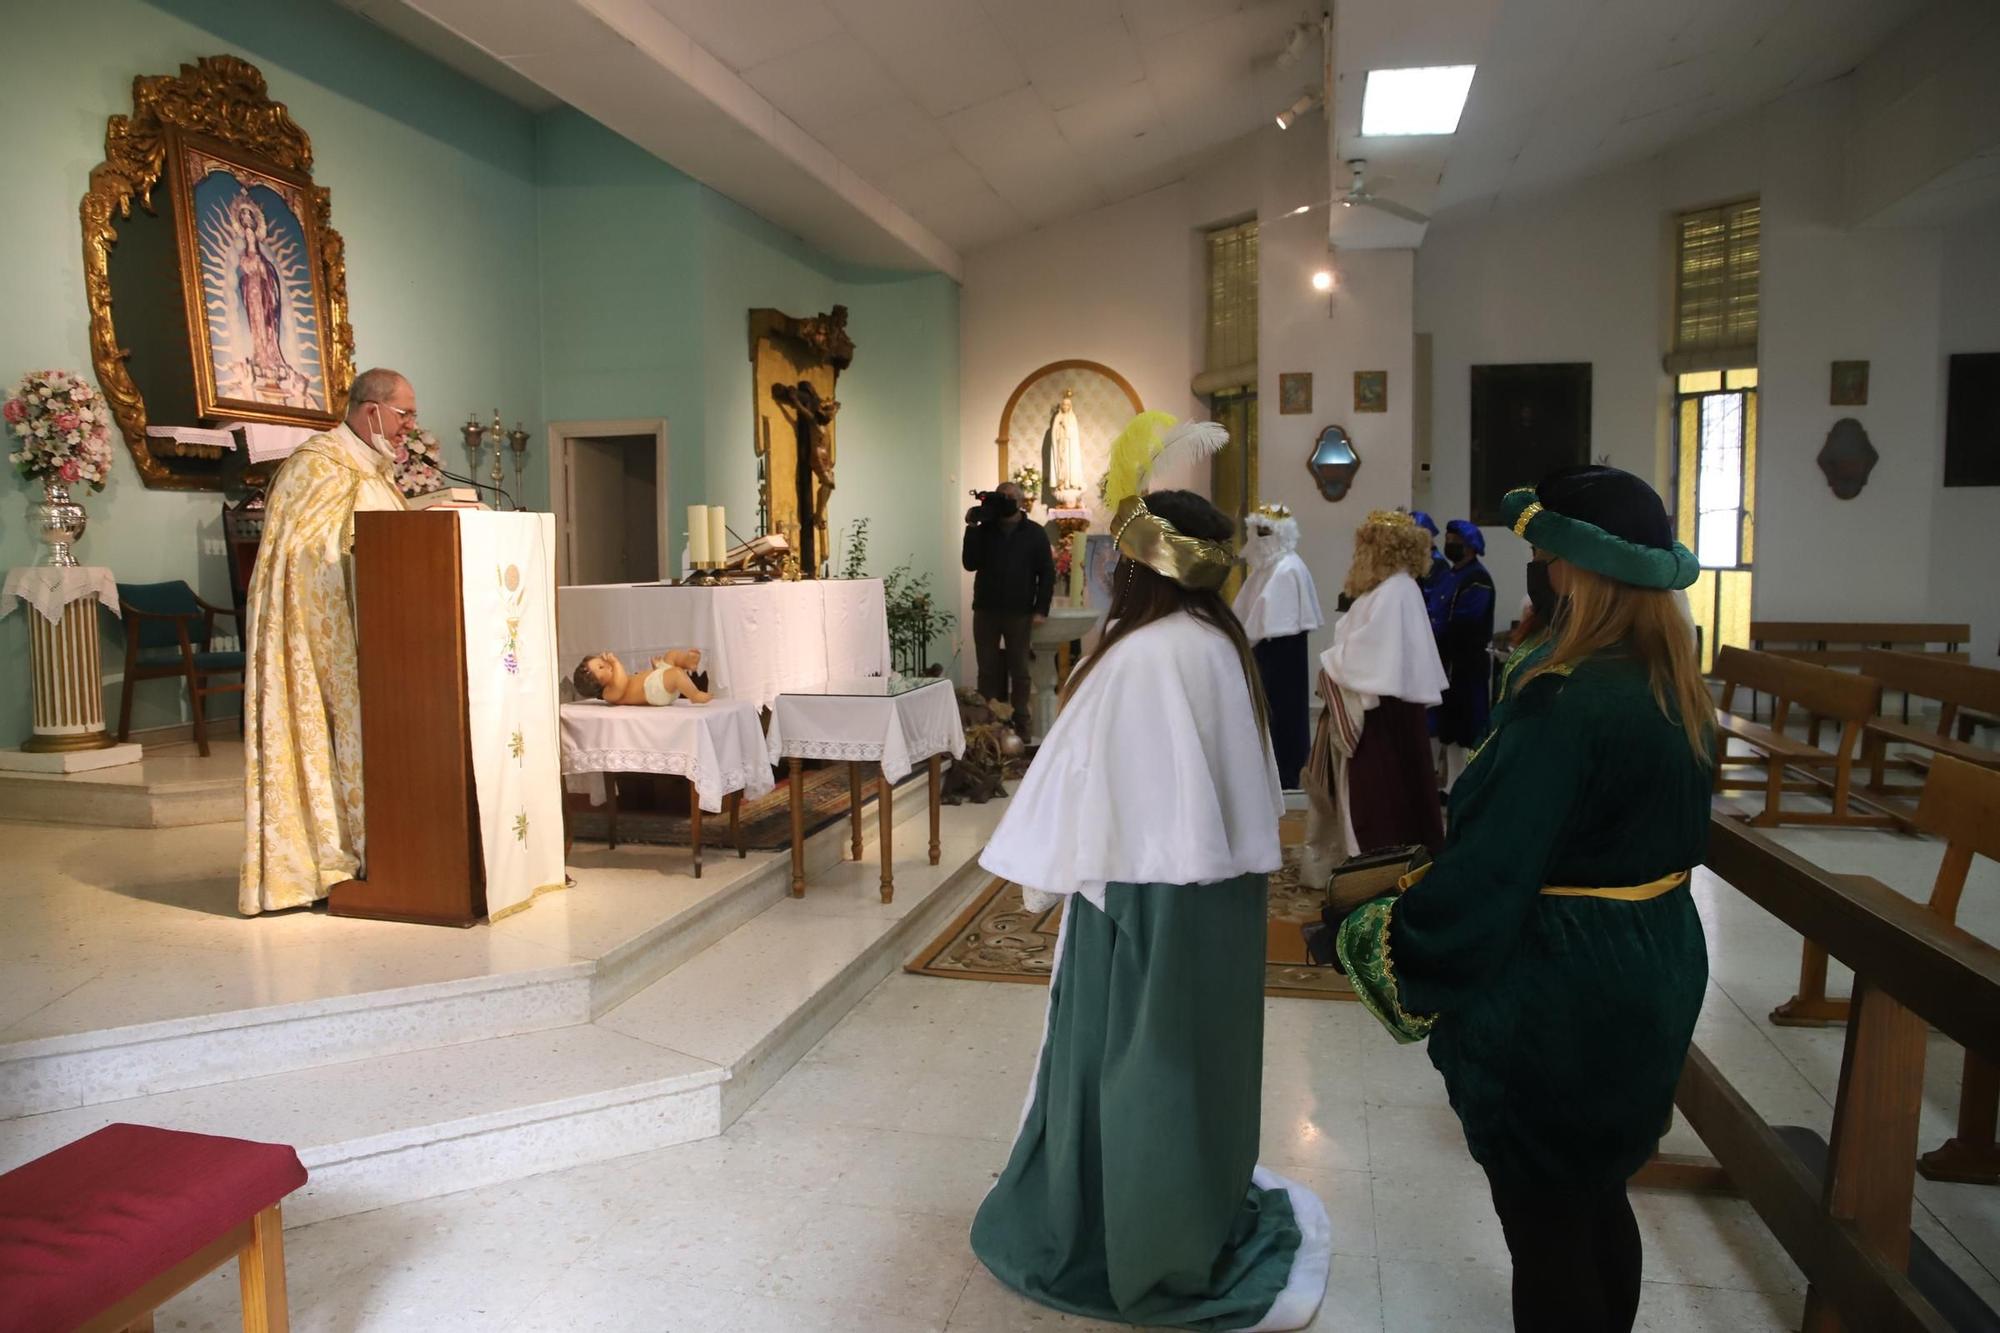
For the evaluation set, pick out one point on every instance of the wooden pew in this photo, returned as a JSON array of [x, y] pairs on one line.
[[1956, 686], [1961, 805], [1819, 691], [1840, 643], [1848, 1230]]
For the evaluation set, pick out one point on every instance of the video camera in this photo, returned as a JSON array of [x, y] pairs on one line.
[[992, 507]]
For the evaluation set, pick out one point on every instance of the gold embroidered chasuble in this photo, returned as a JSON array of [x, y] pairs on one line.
[[303, 822]]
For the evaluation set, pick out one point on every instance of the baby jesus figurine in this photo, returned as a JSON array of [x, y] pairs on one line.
[[603, 676]]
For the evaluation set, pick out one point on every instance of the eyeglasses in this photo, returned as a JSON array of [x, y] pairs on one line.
[[402, 413]]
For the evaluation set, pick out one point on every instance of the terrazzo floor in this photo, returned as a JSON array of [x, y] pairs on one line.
[[841, 1200]]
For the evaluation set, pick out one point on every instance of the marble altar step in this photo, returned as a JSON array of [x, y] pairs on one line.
[[61, 1070], [173, 786], [677, 1061]]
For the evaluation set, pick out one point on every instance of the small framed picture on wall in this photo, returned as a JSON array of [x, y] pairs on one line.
[[1371, 391], [1850, 384], [1295, 392]]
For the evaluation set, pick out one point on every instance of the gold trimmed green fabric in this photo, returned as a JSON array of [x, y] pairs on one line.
[[1590, 547], [1363, 946]]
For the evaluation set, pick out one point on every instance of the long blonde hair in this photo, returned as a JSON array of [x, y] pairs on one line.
[[1652, 623]]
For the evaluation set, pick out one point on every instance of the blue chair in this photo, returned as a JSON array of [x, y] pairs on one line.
[[168, 630]]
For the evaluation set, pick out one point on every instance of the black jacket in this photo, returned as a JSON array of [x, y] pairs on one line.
[[1015, 573]]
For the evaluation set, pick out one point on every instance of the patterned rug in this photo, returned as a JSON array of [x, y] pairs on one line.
[[997, 938], [767, 821]]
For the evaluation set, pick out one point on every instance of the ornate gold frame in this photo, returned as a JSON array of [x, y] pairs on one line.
[[1053, 367], [223, 98]]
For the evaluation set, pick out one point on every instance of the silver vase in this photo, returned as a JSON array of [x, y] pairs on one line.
[[61, 520]]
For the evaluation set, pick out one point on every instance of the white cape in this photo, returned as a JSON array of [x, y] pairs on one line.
[[1279, 599], [1383, 648], [1155, 773]]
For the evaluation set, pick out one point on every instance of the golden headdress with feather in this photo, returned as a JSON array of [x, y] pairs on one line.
[[1140, 534]]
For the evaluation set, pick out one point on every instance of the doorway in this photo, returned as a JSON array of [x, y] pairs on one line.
[[610, 497]]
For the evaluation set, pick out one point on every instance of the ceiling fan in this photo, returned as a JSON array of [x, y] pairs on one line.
[[1359, 193]]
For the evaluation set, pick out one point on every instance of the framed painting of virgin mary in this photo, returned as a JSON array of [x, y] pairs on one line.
[[251, 283]]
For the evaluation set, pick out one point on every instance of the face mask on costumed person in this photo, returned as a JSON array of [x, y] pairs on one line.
[[1454, 551], [1541, 593]]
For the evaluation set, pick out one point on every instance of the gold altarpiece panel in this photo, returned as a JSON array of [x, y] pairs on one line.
[[231, 302], [795, 367]]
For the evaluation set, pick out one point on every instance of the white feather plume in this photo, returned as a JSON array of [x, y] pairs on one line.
[[1194, 439]]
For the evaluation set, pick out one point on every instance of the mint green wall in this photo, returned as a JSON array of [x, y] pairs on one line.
[[648, 278], [541, 265], [433, 191]]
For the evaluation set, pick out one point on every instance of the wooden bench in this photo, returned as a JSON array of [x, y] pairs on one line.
[[1840, 643], [1818, 691], [1846, 1221], [101, 1232], [1956, 687]]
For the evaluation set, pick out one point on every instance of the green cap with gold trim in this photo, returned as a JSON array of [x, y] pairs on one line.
[[1604, 520]]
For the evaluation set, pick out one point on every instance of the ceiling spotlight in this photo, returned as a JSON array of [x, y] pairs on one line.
[[1291, 114], [1302, 208], [1323, 280]]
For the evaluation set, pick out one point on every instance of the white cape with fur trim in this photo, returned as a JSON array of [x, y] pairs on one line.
[[1279, 600], [1383, 647], [1155, 773]]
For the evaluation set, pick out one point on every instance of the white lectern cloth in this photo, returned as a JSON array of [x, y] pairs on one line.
[[507, 577]]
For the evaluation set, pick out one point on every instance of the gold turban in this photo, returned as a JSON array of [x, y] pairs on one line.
[[1157, 544]]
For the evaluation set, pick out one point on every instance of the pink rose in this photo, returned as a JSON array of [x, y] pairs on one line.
[[14, 410], [66, 421], [69, 471]]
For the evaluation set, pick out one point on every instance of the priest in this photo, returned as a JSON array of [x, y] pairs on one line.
[[302, 816]]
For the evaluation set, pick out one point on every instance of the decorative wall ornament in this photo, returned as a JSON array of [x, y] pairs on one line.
[[1371, 391], [1849, 386], [1103, 402], [1295, 392], [1333, 462], [220, 107], [1847, 458]]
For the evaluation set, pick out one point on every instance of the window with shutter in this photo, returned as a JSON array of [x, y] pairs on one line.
[[1232, 300], [1716, 263]]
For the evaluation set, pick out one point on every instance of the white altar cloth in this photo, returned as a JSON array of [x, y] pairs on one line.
[[718, 746], [897, 732], [50, 588], [756, 639]]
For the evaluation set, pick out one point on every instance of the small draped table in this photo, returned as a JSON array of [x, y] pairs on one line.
[[717, 747], [64, 665], [891, 723]]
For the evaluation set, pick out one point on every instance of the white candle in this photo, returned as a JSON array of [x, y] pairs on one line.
[[698, 534], [718, 536]]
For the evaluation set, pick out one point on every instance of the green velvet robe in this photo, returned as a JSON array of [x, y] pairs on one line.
[[1559, 1023]]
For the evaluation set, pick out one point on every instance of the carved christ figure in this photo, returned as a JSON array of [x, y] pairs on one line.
[[811, 416], [1066, 452]]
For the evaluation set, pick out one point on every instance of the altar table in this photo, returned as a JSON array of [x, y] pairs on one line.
[[757, 640], [893, 725]]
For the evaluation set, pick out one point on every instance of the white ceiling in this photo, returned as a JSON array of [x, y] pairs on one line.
[[947, 125]]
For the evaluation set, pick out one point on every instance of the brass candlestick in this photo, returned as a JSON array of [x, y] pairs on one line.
[[517, 441]]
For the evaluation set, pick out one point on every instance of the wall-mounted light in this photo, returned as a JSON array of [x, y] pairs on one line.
[[1291, 115], [1322, 280]]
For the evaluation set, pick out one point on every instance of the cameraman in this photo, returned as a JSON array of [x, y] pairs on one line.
[[1014, 580]]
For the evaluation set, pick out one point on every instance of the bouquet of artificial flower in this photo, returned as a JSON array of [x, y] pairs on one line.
[[59, 420], [1063, 556], [417, 468], [1029, 478]]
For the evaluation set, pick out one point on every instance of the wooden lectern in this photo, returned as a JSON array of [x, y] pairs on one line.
[[424, 859]]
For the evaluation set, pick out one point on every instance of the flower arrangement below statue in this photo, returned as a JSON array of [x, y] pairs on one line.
[[1064, 561], [1029, 478], [417, 468], [60, 421]]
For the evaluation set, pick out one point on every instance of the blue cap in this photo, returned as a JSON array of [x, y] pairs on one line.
[[1424, 521], [1468, 532]]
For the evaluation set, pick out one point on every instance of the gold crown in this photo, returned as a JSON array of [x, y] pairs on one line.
[[1395, 518], [1273, 511]]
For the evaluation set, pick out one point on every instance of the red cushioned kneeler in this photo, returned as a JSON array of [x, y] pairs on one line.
[[91, 1223]]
